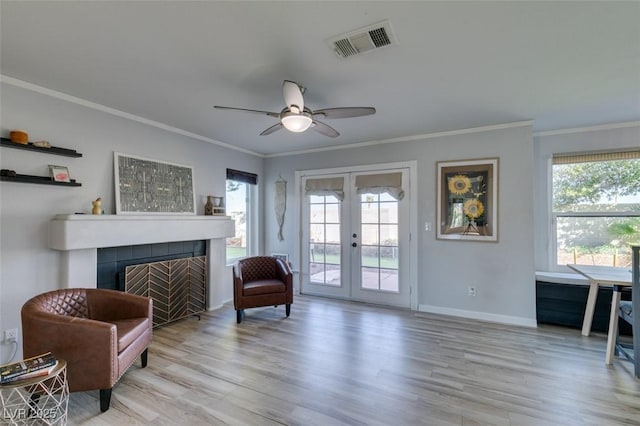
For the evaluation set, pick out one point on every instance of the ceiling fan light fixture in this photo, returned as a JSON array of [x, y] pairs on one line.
[[296, 122]]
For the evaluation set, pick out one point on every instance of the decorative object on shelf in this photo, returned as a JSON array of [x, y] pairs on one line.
[[467, 200], [8, 173], [208, 207], [96, 206], [217, 206], [145, 186], [42, 144], [40, 180], [280, 204], [19, 136], [47, 150], [59, 173]]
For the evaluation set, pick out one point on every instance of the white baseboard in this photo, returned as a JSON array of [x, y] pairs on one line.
[[213, 308], [482, 316]]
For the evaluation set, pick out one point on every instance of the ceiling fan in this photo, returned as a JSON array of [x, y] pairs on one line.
[[295, 117]]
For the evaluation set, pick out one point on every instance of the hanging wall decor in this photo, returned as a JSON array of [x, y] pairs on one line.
[[468, 200], [280, 204], [145, 186]]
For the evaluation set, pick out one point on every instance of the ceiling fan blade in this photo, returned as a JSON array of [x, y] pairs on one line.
[[344, 112], [293, 94], [255, 111], [324, 129], [272, 129]]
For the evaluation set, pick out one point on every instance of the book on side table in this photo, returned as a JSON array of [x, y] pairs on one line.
[[40, 365]]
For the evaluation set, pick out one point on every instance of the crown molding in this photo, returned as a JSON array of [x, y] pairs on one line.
[[408, 138], [88, 104], [609, 126]]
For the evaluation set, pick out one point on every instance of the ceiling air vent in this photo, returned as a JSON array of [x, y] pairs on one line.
[[363, 40]]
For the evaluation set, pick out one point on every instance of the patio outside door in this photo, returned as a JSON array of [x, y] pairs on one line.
[[356, 241]]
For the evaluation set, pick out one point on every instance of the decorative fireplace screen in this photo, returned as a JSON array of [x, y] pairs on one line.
[[177, 287]]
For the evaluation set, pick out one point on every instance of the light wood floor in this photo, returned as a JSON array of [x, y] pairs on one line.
[[336, 362]]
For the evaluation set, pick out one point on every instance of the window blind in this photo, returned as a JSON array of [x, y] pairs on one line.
[[595, 156], [325, 186], [241, 176], [390, 183]]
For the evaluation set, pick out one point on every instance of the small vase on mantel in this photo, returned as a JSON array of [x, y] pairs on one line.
[[208, 207]]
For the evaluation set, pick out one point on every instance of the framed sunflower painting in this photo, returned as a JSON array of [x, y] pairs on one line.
[[468, 200]]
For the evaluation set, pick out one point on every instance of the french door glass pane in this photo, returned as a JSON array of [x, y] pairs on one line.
[[370, 234], [389, 280], [324, 240], [379, 238], [389, 212]]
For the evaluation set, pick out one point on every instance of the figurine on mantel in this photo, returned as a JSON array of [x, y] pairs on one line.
[[97, 206], [208, 207]]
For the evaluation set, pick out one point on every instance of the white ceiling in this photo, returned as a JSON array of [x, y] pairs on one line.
[[456, 65]]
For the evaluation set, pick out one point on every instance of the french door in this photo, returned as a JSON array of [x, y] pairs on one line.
[[355, 241]]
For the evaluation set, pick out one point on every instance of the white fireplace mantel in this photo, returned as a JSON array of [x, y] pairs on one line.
[[79, 236], [78, 231]]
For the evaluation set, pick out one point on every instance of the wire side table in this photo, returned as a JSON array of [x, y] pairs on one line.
[[36, 401]]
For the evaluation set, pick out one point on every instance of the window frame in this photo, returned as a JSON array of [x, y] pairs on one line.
[[251, 220], [599, 156]]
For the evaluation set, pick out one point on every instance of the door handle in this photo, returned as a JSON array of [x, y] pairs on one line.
[[354, 244]]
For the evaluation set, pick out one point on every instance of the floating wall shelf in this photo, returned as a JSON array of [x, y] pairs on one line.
[[42, 180], [54, 150]]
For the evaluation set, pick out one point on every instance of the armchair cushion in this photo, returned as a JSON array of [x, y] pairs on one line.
[[128, 330], [253, 288]]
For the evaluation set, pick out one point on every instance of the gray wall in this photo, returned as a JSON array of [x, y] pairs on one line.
[[28, 266], [503, 272], [544, 148]]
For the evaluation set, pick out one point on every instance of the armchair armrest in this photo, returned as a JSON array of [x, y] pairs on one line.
[[237, 280], [284, 273], [85, 344]]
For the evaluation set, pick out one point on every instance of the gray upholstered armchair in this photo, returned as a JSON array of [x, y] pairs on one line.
[[99, 333], [261, 281]]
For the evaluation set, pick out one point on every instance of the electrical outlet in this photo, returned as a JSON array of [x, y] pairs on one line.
[[11, 335], [472, 291]]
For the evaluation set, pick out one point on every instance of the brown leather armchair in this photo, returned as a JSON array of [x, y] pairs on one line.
[[98, 332], [261, 281]]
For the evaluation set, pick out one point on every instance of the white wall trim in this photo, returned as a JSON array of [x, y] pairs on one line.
[[408, 138], [88, 104], [481, 316], [609, 126]]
